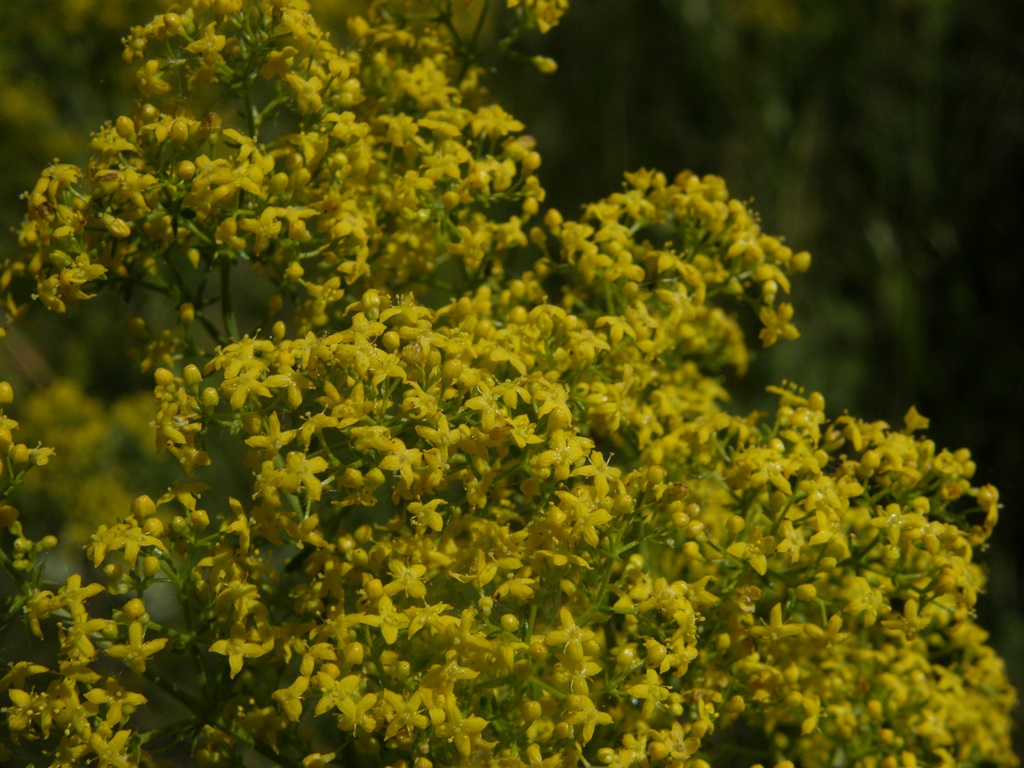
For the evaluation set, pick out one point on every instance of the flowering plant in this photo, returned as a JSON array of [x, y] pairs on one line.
[[460, 487]]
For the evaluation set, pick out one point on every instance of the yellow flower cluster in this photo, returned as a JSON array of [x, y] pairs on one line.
[[17, 460], [40, 113], [460, 489]]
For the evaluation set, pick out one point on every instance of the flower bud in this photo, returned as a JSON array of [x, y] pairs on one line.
[[192, 375], [125, 127], [119, 228], [143, 506], [178, 132], [134, 608], [209, 398]]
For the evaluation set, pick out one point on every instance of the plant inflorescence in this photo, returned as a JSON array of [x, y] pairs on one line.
[[457, 483]]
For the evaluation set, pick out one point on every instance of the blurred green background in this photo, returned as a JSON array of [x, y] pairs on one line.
[[886, 137]]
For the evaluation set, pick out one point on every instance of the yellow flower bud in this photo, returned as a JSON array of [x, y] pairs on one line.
[[125, 127], [297, 230], [351, 478], [531, 710], [172, 22], [150, 566], [801, 262], [354, 653], [19, 454], [143, 506], [178, 132], [545, 65], [119, 228], [210, 398], [806, 592], [8, 515], [656, 652], [370, 303], [185, 170], [192, 375], [452, 369], [113, 571], [134, 608], [658, 750], [374, 479]]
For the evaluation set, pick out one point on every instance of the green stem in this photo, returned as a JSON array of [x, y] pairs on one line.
[[170, 688], [227, 312]]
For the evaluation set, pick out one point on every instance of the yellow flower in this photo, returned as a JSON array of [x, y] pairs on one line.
[[571, 637], [495, 487], [425, 515], [566, 449], [355, 713], [910, 624], [120, 702], [464, 732], [209, 45], [582, 711], [755, 550], [652, 691], [150, 79], [127, 536], [402, 460], [914, 420], [265, 228], [239, 646], [290, 699], [406, 579], [136, 652], [776, 629], [273, 440], [404, 715], [111, 752]]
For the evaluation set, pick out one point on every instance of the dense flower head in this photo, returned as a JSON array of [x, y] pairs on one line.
[[463, 488]]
